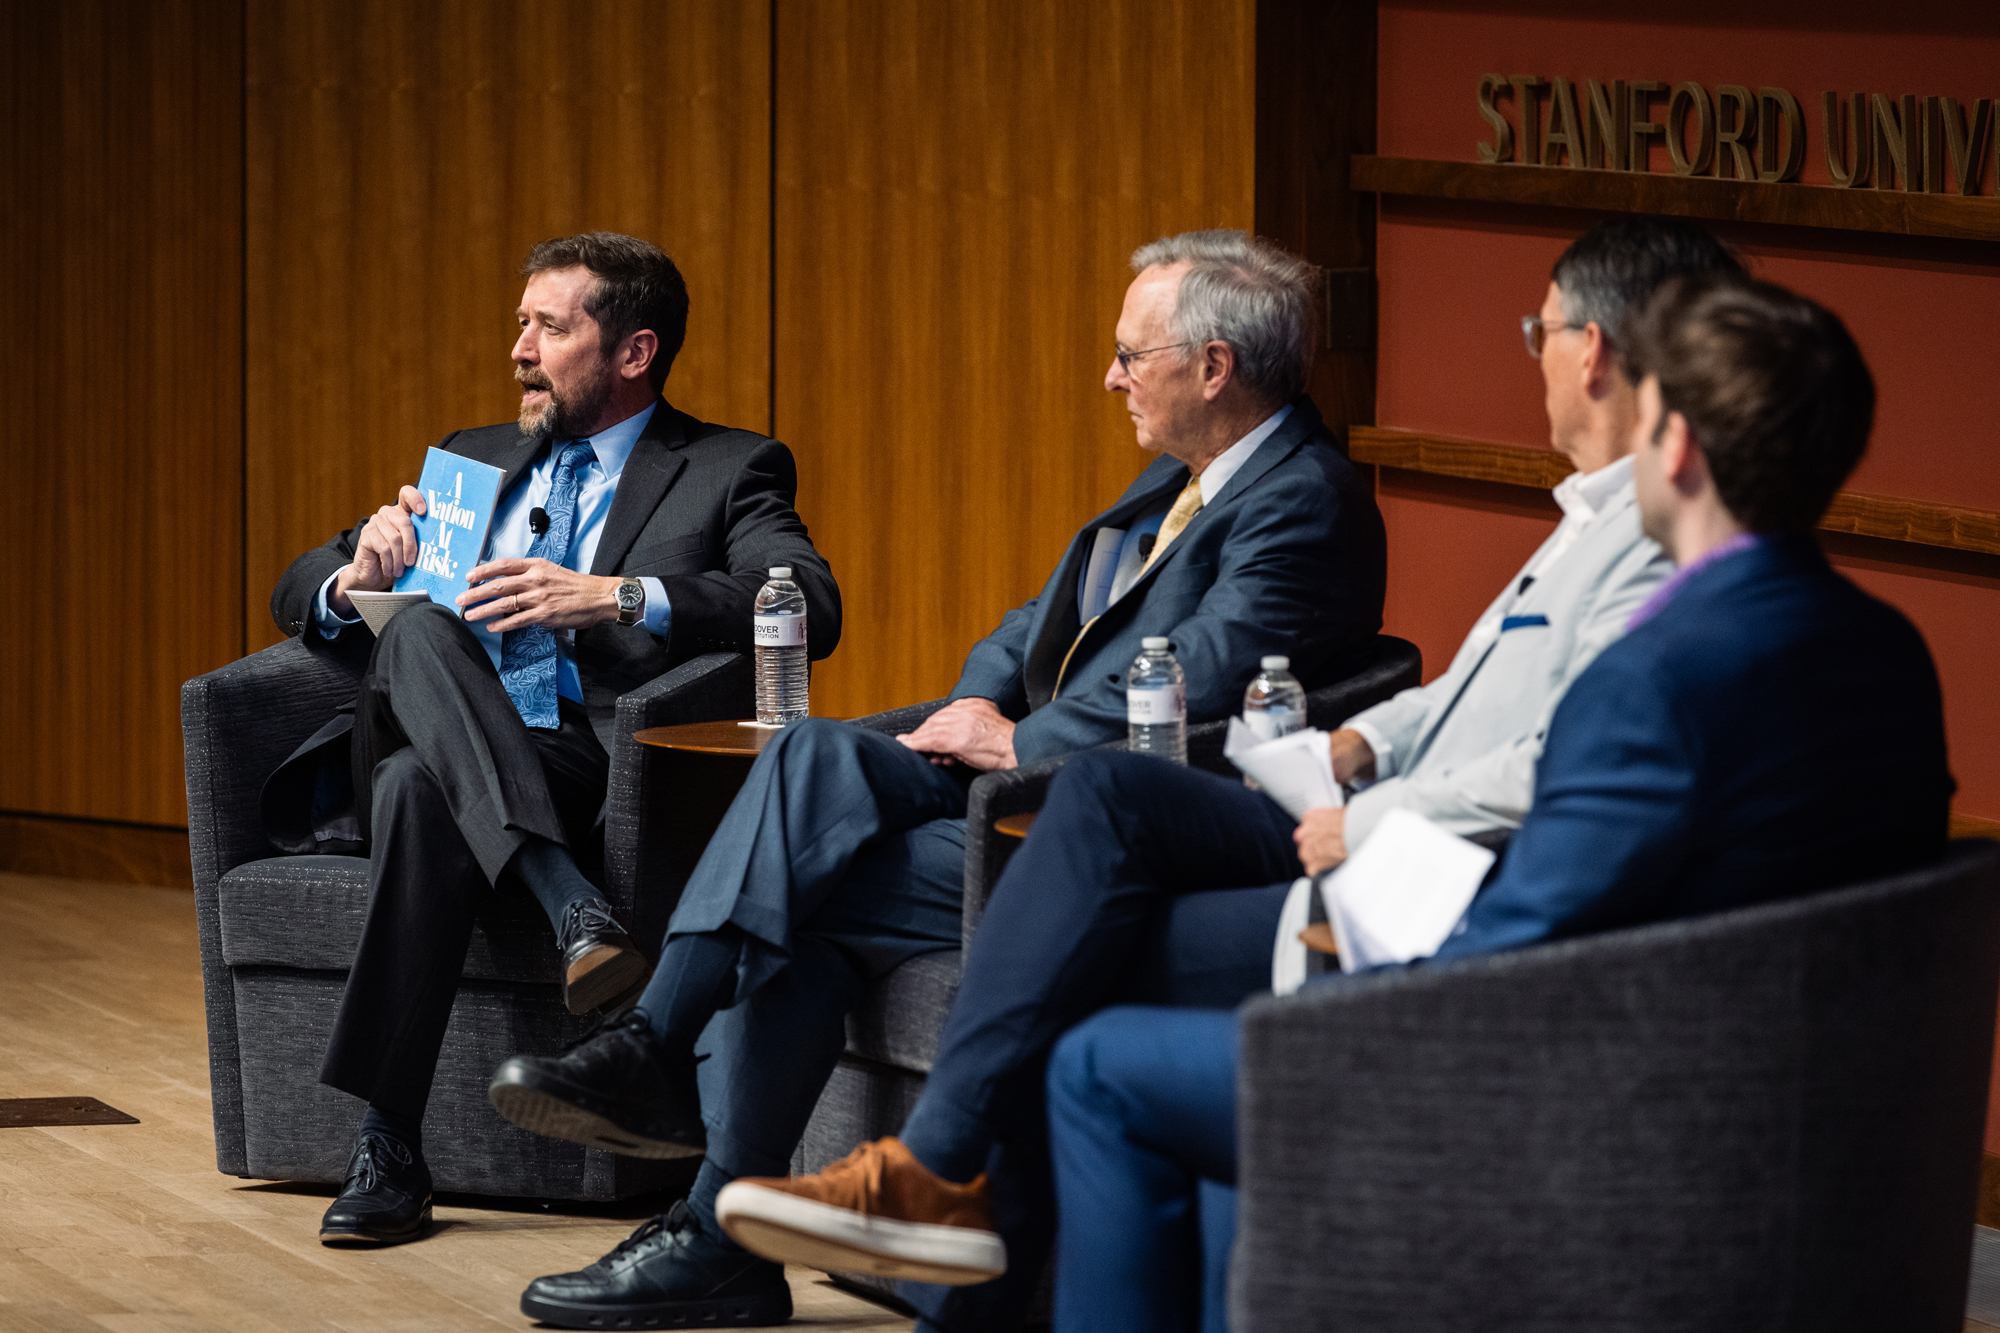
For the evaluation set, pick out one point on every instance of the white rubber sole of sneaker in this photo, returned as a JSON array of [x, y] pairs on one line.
[[786, 1228]]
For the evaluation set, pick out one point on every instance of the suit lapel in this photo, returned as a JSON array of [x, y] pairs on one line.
[[1303, 421], [655, 461], [1059, 619]]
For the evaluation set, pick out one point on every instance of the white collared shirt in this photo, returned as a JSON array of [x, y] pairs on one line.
[[1231, 460], [1582, 496]]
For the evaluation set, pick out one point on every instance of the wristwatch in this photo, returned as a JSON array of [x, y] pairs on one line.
[[631, 601]]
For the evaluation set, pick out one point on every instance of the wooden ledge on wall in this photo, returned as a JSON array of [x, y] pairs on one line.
[[1920, 522], [1894, 212]]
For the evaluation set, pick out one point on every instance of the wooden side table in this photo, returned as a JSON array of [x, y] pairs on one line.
[[692, 771], [732, 739], [1015, 826]]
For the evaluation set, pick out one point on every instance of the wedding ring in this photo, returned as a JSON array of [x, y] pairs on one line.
[[517, 602]]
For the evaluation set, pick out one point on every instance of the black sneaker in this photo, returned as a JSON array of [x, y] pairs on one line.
[[667, 1274], [618, 1089], [602, 968], [385, 1200]]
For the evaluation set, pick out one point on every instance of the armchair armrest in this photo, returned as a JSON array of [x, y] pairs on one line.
[[1384, 668], [899, 720], [995, 796], [238, 723], [642, 874]]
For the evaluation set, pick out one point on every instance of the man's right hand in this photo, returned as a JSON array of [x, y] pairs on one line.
[[1353, 757], [388, 546]]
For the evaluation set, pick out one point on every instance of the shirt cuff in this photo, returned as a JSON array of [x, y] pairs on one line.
[[329, 623], [1385, 753], [659, 617]]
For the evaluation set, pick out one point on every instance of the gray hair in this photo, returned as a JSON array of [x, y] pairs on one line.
[[1247, 292]]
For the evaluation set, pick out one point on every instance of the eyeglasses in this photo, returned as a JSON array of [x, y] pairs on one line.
[[1535, 332], [1125, 358]]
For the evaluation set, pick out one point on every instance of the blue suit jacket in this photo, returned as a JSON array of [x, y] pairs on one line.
[[1772, 731], [1290, 558]]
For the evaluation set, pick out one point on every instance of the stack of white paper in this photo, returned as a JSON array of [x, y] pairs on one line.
[[1296, 771], [1402, 894]]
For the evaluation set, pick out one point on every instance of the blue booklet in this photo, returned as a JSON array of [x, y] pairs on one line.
[[460, 496]]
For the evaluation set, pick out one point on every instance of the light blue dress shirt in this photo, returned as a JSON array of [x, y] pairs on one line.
[[511, 536]]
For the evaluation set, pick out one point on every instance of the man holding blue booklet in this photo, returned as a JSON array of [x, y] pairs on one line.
[[625, 538]]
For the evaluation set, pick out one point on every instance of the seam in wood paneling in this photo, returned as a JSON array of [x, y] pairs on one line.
[[1920, 522]]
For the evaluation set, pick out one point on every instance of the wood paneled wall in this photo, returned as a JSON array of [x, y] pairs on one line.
[[959, 187], [120, 152], [266, 253], [402, 158]]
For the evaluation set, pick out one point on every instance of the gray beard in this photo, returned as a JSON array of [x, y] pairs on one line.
[[569, 418]]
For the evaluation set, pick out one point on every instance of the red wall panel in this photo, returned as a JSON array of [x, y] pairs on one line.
[[1455, 278]]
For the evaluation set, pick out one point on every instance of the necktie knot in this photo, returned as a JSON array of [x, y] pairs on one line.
[[1186, 506]]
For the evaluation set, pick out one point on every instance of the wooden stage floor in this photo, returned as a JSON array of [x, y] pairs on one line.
[[130, 1228]]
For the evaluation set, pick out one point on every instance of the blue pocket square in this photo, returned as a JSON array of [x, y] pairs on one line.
[[1522, 622]]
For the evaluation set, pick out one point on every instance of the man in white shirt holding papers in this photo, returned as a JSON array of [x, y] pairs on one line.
[[1143, 880]]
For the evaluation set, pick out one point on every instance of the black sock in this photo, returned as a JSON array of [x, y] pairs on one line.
[[695, 978], [407, 1130], [551, 875]]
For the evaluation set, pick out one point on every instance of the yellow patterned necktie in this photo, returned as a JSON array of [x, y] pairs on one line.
[[1186, 506], [1183, 512]]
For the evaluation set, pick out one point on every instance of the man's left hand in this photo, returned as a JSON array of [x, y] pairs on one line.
[[1322, 839], [513, 594], [967, 731]]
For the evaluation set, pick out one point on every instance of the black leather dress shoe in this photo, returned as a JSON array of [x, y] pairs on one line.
[[385, 1200], [602, 968], [618, 1089], [667, 1274]]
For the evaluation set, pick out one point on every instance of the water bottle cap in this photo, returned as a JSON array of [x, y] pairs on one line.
[[1154, 643], [1276, 663], [781, 571]]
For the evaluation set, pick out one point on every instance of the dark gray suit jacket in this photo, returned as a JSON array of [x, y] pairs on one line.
[[1290, 558], [705, 509]]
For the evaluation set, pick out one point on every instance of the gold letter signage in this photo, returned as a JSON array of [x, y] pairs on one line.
[[1868, 139]]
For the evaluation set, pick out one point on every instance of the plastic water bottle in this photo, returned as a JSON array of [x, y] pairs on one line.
[[779, 631], [1156, 702], [1274, 705]]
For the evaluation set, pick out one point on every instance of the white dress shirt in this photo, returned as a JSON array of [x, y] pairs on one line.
[[1231, 460], [512, 535]]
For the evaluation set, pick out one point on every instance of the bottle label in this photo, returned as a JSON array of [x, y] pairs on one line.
[[1162, 703], [1272, 723], [778, 631]]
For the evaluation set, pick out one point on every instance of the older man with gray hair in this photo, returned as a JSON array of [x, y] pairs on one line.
[[843, 856]]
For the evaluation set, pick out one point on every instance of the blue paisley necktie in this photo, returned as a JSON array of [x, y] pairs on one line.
[[528, 656]]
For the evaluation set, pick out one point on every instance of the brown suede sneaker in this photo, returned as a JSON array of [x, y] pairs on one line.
[[877, 1210]]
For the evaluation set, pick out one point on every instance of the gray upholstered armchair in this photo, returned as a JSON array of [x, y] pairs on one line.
[[278, 932], [892, 1038], [1765, 1119]]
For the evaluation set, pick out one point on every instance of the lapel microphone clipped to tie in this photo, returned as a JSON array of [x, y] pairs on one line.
[[538, 520]]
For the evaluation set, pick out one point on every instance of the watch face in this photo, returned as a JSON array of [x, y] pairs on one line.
[[629, 596]]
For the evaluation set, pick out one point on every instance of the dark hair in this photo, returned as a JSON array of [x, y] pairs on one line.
[[1610, 270], [1774, 391], [637, 288]]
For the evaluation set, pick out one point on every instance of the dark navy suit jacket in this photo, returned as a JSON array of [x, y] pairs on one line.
[[1772, 731], [1290, 558]]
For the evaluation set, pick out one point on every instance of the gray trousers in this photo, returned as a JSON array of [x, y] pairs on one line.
[[449, 782]]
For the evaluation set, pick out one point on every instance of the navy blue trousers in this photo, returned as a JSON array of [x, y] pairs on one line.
[[1142, 1129], [842, 857], [1141, 881]]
